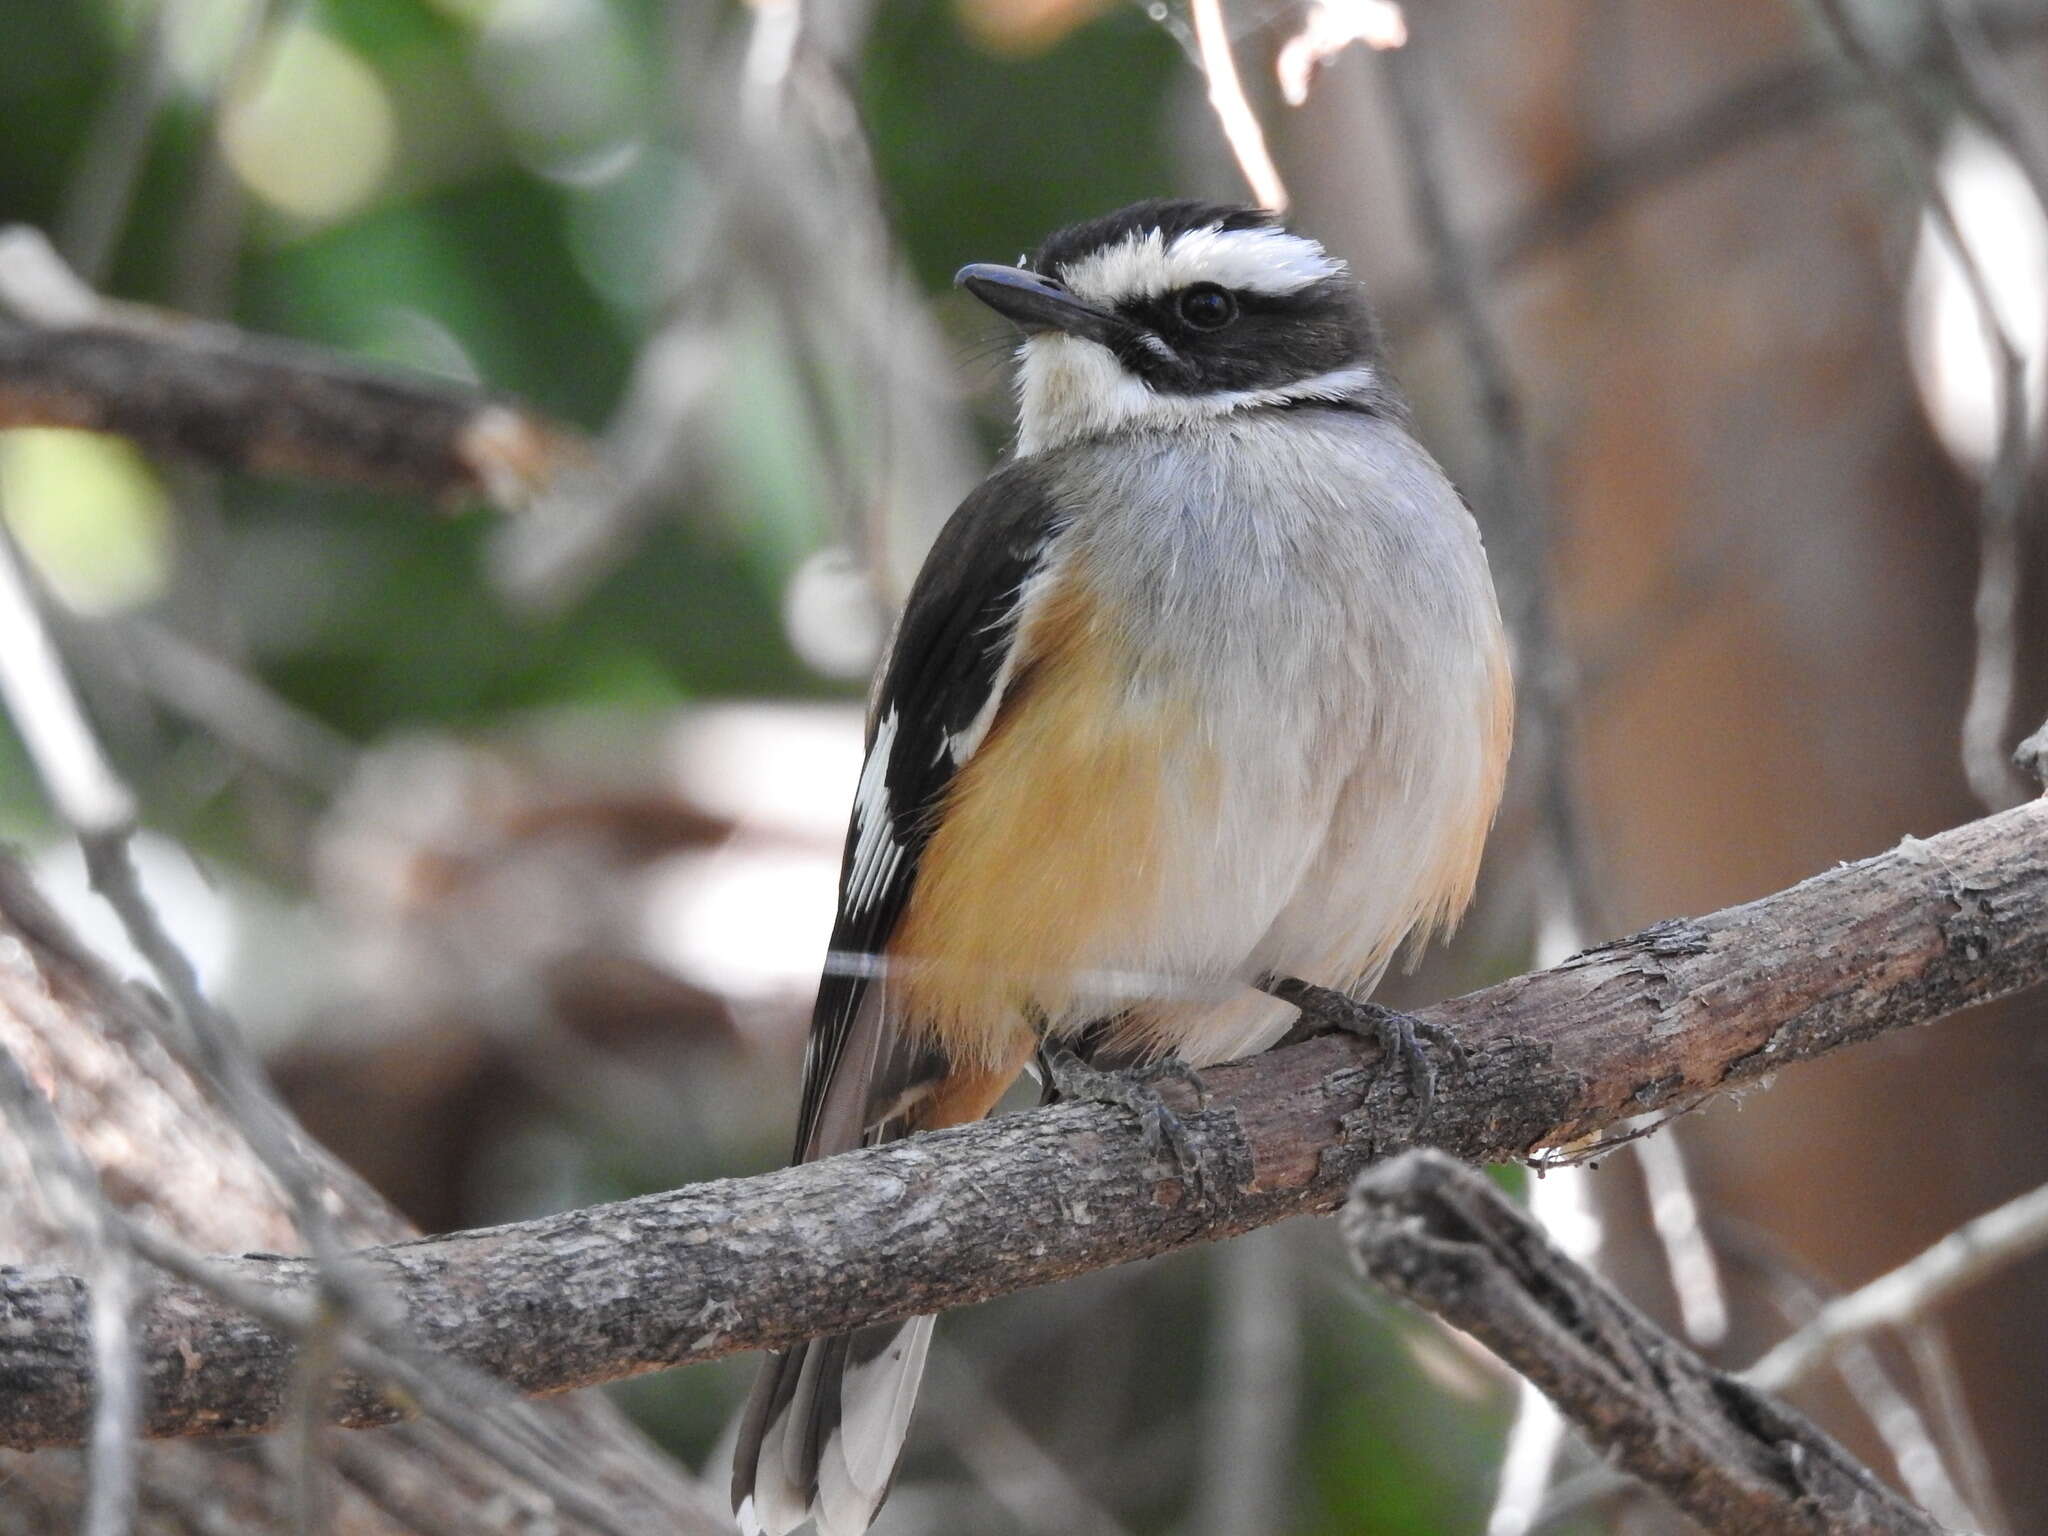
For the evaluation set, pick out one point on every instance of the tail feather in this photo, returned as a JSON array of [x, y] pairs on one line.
[[824, 1428], [821, 1434]]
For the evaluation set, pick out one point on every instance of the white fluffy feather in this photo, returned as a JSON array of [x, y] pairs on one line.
[[1269, 261], [1315, 593]]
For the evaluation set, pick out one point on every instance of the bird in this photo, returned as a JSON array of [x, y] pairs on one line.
[[1197, 712]]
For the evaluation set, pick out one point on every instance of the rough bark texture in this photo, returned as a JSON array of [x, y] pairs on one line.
[[165, 1155], [1656, 1021], [259, 406], [1735, 1459]]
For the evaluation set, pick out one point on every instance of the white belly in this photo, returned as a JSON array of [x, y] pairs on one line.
[[1331, 621]]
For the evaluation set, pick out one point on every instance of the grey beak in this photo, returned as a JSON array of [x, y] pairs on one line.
[[1037, 303]]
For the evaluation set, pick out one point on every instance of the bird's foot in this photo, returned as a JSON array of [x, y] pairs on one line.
[[1070, 1080], [1401, 1036]]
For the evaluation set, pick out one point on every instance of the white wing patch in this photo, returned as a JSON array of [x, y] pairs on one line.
[[960, 745], [876, 853], [1269, 261]]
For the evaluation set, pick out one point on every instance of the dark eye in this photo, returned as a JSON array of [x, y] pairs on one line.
[[1207, 307]]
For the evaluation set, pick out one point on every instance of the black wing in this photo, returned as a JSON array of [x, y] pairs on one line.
[[942, 681]]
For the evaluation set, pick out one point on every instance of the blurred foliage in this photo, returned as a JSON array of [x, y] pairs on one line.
[[516, 237]]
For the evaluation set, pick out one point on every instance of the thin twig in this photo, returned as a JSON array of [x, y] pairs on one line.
[[209, 227], [1018, 1473], [462, 1401], [1562, 1203], [1251, 1402], [101, 188], [1923, 1470], [305, 1463], [85, 790], [1688, 1254], [410, 1490], [1977, 1248], [1327, 28], [1985, 86], [95, 804], [1528, 1460], [1941, 1384], [235, 707], [1579, 1492], [72, 1192], [796, 215], [1514, 505], [848, 298], [1778, 98], [1234, 113]]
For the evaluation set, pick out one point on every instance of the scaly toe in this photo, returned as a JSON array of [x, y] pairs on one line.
[[1402, 1038], [1180, 1072], [1074, 1081]]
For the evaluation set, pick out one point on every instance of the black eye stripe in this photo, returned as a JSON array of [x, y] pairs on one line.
[[1269, 340], [1316, 300]]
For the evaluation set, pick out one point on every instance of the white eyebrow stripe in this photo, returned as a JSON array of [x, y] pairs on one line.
[[1268, 261]]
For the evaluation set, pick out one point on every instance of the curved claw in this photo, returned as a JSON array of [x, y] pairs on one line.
[[1180, 1072], [1069, 1079]]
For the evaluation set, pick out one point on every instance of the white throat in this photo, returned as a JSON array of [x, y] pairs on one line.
[[1068, 389]]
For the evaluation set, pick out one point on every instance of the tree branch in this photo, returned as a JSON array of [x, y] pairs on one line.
[[221, 397], [1439, 1234], [1896, 1298], [171, 1169], [1657, 1021]]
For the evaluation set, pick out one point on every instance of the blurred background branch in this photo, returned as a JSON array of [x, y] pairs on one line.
[[89, 1048], [237, 402], [1977, 1248], [1438, 1234]]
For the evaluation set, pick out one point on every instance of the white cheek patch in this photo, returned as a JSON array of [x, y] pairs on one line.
[[1069, 389], [1268, 261]]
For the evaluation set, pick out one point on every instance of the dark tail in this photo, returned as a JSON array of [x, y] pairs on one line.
[[827, 1419], [824, 1428]]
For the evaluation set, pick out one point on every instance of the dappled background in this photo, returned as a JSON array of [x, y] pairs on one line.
[[511, 837]]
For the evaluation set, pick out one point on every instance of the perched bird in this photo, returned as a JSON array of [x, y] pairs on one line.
[[1200, 701]]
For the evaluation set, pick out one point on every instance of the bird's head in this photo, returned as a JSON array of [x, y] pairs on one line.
[[1171, 313]]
